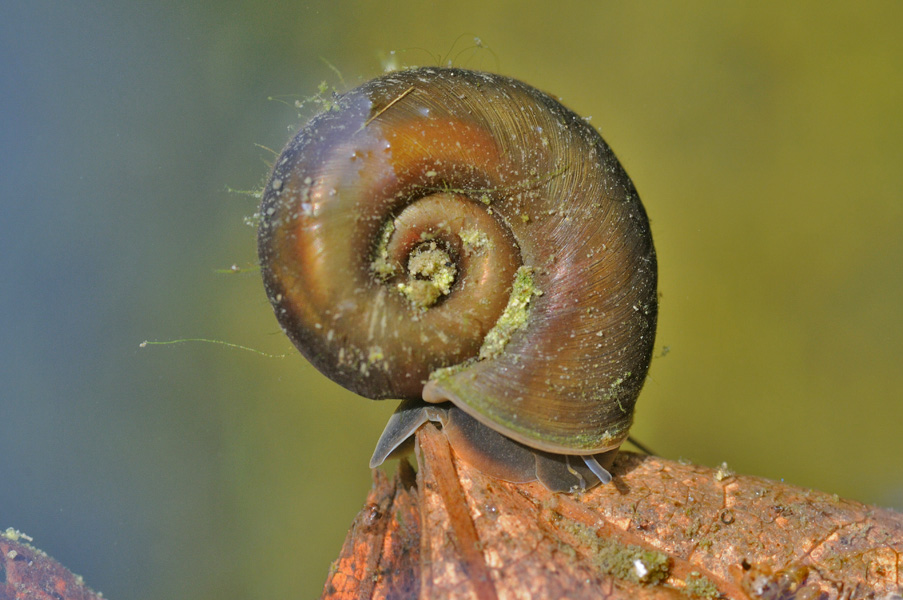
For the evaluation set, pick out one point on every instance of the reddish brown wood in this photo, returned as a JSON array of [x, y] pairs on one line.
[[455, 533], [439, 468], [27, 573], [383, 545]]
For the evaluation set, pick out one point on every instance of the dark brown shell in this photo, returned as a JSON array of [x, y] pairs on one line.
[[512, 187]]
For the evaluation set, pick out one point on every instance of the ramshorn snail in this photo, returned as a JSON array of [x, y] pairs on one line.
[[463, 242]]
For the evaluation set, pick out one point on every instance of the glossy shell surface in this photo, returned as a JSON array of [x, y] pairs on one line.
[[462, 236]]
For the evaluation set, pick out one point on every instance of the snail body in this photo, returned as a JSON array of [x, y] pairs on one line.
[[463, 242]]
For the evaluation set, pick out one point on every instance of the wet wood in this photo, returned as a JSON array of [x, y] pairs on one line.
[[661, 529]]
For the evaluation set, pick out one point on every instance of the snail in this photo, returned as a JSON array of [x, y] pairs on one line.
[[463, 242]]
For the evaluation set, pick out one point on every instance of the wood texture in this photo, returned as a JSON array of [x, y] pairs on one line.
[[661, 529], [27, 573]]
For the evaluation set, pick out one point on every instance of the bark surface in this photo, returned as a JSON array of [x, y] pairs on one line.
[[661, 529], [27, 573]]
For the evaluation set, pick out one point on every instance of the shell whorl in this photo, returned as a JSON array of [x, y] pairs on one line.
[[447, 218]]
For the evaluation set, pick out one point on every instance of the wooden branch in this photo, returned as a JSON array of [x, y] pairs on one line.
[[661, 529], [27, 573]]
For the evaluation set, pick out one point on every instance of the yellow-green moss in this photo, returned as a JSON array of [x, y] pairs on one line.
[[422, 294], [514, 316], [430, 270], [433, 264], [701, 586], [430, 276], [445, 372], [723, 472], [632, 563], [624, 561], [474, 240], [15, 535], [375, 354], [380, 264]]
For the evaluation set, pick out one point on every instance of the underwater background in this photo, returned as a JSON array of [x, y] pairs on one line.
[[766, 142]]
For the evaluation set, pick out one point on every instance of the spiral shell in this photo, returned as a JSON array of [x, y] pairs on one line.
[[451, 235]]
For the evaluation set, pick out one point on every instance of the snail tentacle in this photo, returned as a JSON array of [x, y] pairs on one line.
[[400, 428], [592, 461]]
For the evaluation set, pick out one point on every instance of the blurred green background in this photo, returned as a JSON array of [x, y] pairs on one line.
[[766, 140]]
